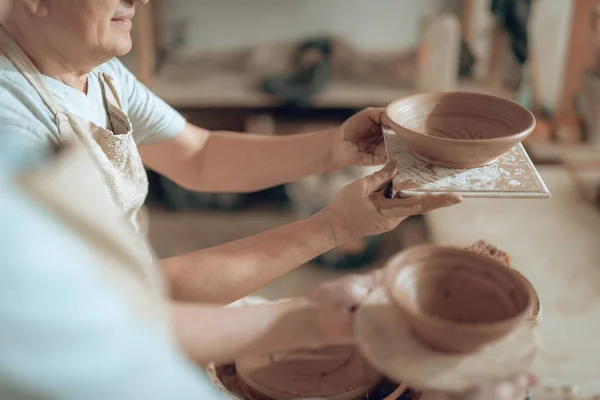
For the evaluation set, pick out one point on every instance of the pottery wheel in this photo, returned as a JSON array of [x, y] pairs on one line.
[[388, 345], [335, 373]]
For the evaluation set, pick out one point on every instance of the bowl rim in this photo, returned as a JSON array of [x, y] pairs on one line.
[[465, 327], [519, 135]]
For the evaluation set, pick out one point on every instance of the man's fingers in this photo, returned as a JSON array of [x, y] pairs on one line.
[[379, 179], [385, 120], [350, 290], [358, 288], [419, 204], [380, 155], [514, 388], [375, 114], [532, 380], [377, 277]]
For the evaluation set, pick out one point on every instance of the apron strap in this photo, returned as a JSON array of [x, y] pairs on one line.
[[17, 56], [119, 121], [108, 90]]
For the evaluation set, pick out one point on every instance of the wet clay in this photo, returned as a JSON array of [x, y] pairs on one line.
[[456, 300], [339, 372], [487, 249], [459, 129]]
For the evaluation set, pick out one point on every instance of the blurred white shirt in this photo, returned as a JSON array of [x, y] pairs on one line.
[[64, 333]]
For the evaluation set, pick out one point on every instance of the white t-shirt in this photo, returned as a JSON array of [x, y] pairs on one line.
[[24, 116]]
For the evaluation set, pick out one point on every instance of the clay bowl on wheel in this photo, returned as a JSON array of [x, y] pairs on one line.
[[331, 373], [535, 312], [459, 129], [455, 300]]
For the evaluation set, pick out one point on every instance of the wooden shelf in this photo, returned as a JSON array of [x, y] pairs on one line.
[[559, 153], [188, 85]]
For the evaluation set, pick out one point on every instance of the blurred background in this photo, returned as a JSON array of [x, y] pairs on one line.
[[284, 66]]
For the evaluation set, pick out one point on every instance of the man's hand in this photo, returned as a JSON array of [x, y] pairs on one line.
[[359, 140], [334, 303], [362, 209]]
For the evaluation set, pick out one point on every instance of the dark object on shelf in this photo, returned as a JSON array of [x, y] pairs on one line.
[[312, 72], [467, 60], [355, 254], [513, 17], [274, 198], [176, 198], [588, 106], [155, 190]]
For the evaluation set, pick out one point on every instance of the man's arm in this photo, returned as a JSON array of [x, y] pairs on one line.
[[200, 160], [213, 333], [221, 161], [228, 272], [324, 317]]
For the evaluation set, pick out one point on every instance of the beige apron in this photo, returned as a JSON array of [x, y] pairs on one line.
[[70, 188], [115, 152], [96, 170]]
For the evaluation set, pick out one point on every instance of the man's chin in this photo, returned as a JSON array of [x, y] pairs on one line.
[[122, 47]]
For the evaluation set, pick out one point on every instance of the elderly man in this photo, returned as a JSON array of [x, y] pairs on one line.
[[60, 79]]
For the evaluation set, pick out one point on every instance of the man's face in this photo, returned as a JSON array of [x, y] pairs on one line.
[[96, 29]]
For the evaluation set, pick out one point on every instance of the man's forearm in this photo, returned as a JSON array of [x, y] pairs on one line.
[[247, 162], [228, 272], [234, 162], [216, 334]]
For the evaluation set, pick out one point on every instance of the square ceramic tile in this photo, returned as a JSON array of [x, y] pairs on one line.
[[513, 175]]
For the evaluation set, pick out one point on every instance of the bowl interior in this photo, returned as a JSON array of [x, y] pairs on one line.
[[461, 116], [460, 288]]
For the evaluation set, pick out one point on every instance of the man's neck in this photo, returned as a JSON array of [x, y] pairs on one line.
[[48, 60]]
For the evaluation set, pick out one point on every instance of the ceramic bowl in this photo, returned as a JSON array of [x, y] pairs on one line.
[[535, 311], [455, 300], [459, 129]]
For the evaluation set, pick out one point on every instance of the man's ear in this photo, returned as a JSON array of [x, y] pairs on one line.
[[36, 7]]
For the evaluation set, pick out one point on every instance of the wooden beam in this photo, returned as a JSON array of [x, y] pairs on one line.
[[145, 45], [581, 54], [158, 30], [497, 49], [467, 11]]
